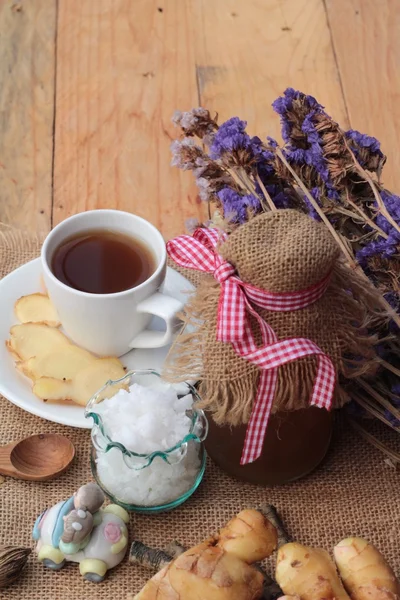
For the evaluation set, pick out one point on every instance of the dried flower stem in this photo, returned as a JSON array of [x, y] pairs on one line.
[[389, 367], [243, 181], [239, 182], [389, 309], [247, 182], [346, 212], [393, 314], [365, 217], [382, 208], [380, 399], [371, 408], [265, 192], [395, 456], [316, 206]]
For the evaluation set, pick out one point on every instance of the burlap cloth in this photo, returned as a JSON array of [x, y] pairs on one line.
[[354, 492], [299, 253]]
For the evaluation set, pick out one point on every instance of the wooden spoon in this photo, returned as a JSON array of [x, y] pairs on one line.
[[37, 458]]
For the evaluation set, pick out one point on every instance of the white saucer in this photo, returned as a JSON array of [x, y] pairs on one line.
[[17, 388]]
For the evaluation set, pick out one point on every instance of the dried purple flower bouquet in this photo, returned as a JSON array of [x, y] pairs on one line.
[[334, 176]]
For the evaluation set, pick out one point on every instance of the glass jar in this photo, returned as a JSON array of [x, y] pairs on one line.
[[182, 465], [294, 445]]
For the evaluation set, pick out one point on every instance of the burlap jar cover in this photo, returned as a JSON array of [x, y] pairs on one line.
[[355, 492], [282, 252]]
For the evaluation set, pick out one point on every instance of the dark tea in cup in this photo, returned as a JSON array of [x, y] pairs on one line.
[[102, 262]]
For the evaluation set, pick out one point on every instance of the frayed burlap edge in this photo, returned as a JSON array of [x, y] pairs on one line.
[[230, 397]]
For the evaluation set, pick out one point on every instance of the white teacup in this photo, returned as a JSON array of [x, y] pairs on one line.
[[112, 324]]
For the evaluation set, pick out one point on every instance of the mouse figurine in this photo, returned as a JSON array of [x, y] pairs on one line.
[[79, 530]]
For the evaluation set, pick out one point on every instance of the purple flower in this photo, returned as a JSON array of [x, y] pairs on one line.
[[396, 389], [297, 156], [364, 141], [303, 142], [315, 193], [279, 198], [374, 248], [396, 392], [273, 143], [232, 143], [392, 204], [384, 248], [230, 137], [391, 418], [366, 149], [284, 104], [236, 206], [263, 159]]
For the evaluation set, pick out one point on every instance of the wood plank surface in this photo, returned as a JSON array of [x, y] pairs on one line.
[[248, 53], [27, 68], [366, 36], [123, 68]]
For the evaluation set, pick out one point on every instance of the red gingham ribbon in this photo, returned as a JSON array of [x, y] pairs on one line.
[[236, 299]]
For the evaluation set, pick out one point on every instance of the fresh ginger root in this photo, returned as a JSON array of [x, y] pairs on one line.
[[219, 568], [249, 536], [308, 573], [365, 573]]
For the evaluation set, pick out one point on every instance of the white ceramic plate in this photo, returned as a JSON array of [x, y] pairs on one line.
[[17, 388]]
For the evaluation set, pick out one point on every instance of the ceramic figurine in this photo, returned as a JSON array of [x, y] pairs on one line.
[[79, 530]]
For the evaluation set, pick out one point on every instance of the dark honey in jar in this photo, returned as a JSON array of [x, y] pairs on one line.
[[294, 445]]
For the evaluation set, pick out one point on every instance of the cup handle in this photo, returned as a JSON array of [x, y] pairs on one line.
[[165, 307]]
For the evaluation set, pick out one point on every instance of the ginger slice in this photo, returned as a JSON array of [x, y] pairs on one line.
[[36, 308], [84, 384], [63, 363], [35, 339]]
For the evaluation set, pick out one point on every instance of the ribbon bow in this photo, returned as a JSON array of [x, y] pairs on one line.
[[236, 299]]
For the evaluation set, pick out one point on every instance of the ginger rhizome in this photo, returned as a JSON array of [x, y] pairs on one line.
[[220, 567], [308, 573], [364, 572], [249, 536]]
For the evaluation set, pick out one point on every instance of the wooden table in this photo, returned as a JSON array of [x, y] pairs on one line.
[[88, 87]]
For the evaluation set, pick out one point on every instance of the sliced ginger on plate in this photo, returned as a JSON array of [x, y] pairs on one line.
[[36, 308], [35, 339], [59, 370], [83, 385], [62, 363]]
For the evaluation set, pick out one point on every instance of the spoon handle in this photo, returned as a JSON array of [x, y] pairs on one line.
[[6, 467]]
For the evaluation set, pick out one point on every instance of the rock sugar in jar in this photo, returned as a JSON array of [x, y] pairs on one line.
[[147, 439]]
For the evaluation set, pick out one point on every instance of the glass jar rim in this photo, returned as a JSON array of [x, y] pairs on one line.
[[197, 417]]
